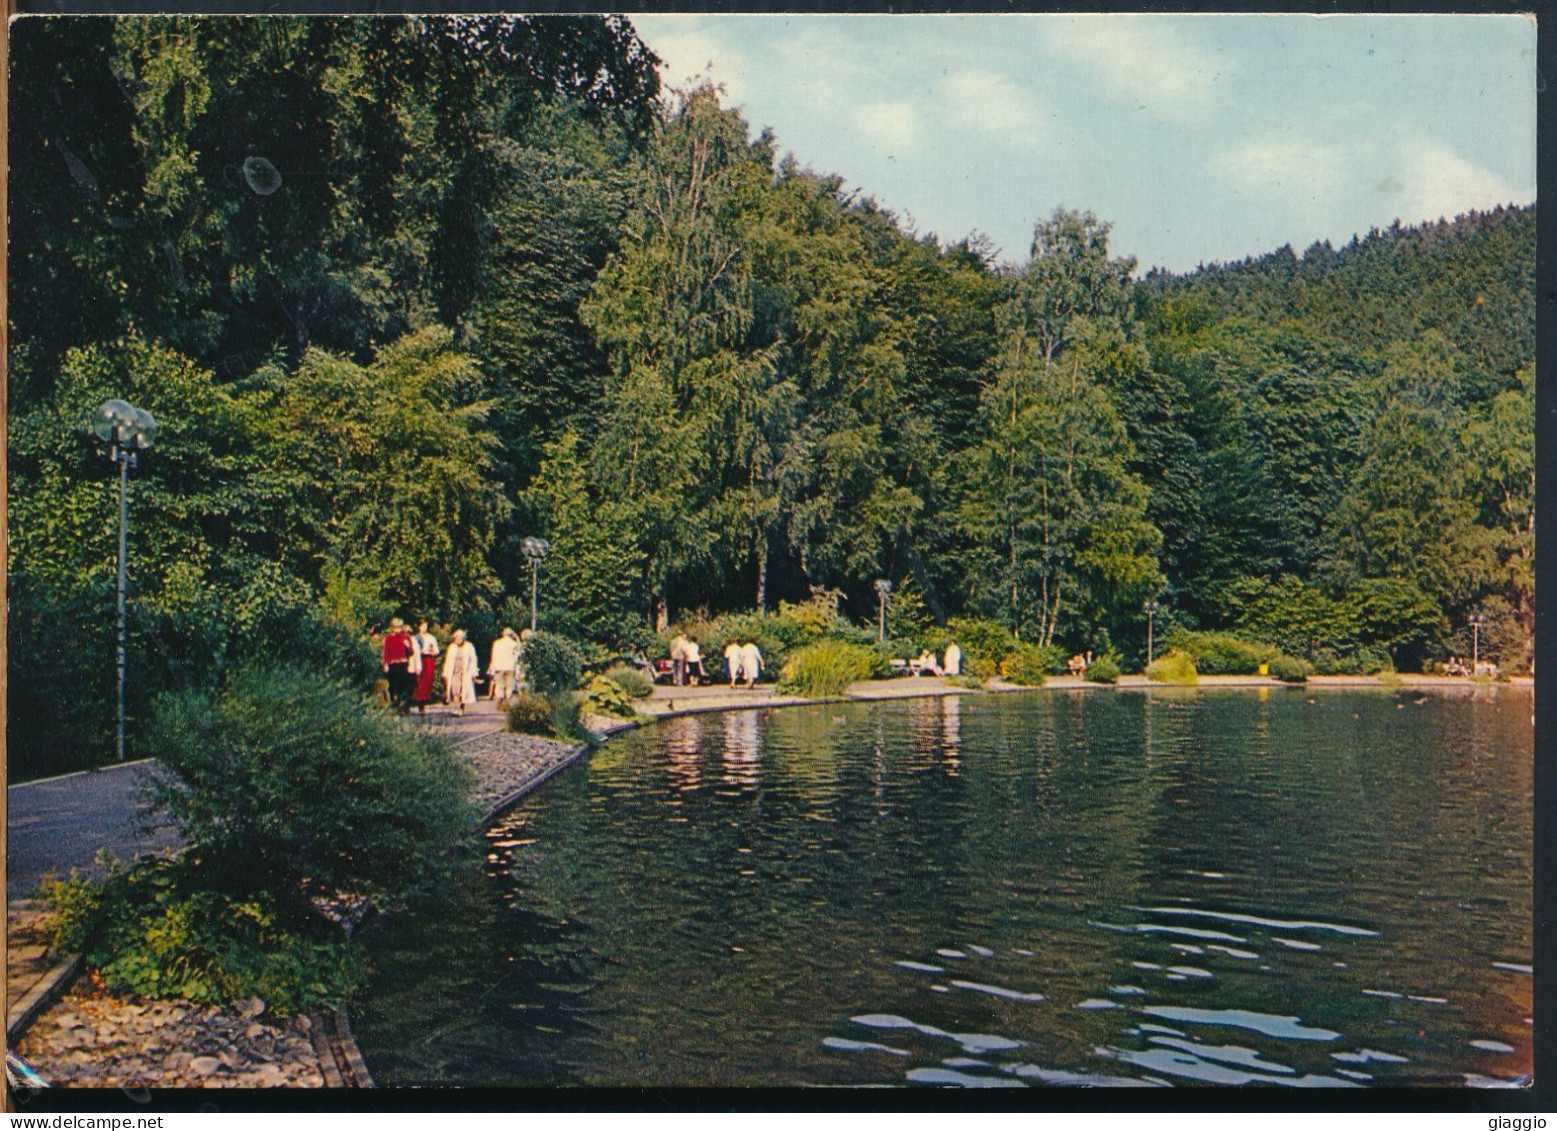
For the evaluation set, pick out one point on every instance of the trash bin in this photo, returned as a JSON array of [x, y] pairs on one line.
[[1265, 669]]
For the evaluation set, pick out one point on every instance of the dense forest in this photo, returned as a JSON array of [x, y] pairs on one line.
[[403, 292]]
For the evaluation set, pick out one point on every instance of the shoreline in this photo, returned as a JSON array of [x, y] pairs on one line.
[[663, 702]]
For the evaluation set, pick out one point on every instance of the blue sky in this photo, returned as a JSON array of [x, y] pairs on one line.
[[1199, 138]]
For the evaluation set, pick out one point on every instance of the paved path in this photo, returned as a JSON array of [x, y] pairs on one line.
[[62, 823]]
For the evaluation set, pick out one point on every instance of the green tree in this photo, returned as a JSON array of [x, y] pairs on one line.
[[386, 469], [1053, 521]]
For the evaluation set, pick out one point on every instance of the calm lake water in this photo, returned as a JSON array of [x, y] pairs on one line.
[[1173, 887]]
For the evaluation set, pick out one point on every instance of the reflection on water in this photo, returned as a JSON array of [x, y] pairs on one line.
[[1166, 889]]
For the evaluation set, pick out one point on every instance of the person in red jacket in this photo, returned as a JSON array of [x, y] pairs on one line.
[[398, 647]]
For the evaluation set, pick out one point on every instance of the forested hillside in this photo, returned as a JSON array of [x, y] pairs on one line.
[[403, 292]]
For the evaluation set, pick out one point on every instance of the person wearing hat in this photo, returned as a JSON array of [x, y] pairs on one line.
[[459, 672], [399, 648]]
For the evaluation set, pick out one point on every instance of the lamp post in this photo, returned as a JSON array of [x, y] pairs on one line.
[[883, 587], [535, 549], [1476, 621], [126, 430], [1150, 609]]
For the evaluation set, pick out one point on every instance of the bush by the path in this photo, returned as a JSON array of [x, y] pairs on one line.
[[1174, 667], [1290, 669], [553, 664], [1104, 669], [1222, 653], [827, 668], [1028, 664], [630, 680], [529, 713], [606, 697], [291, 783]]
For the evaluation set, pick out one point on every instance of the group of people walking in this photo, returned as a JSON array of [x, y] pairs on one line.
[[410, 662], [742, 658]]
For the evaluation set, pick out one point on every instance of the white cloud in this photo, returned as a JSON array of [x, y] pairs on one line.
[[1299, 174], [992, 104], [894, 127], [1433, 180], [1141, 59]]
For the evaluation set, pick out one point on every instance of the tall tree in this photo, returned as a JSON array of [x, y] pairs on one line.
[[1053, 519]]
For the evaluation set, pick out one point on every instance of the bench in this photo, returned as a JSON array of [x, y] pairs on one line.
[[665, 670]]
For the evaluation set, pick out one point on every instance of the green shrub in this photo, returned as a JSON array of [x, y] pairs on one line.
[[606, 697], [1351, 661], [1290, 669], [1104, 669], [553, 664], [529, 713], [981, 668], [1222, 653], [968, 681], [1027, 664], [286, 782], [630, 680], [567, 719], [1173, 666], [827, 667], [982, 639], [157, 930], [75, 910]]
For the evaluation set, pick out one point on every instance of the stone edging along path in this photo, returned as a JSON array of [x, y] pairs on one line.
[[508, 768]]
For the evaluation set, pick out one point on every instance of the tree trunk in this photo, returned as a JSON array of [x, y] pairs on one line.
[[762, 576]]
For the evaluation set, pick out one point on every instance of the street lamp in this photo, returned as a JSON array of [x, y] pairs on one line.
[[883, 587], [126, 430], [536, 550], [1476, 621], [1150, 609]]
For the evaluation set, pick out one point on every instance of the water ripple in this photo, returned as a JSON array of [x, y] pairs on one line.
[[960, 1079], [998, 991], [1286, 1028], [1260, 921]]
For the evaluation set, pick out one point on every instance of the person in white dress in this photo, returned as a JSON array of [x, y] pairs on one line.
[[751, 662], [732, 661], [459, 672]]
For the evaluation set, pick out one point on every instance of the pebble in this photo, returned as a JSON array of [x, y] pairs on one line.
[[103, 1042]]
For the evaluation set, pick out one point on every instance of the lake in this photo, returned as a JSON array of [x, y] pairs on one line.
[[1135, 888]]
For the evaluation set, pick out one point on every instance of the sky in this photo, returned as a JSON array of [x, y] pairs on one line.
[[1199, 138]]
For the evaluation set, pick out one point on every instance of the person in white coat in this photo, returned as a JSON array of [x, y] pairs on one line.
[[504, 666], [953, 662], [459, 672]]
